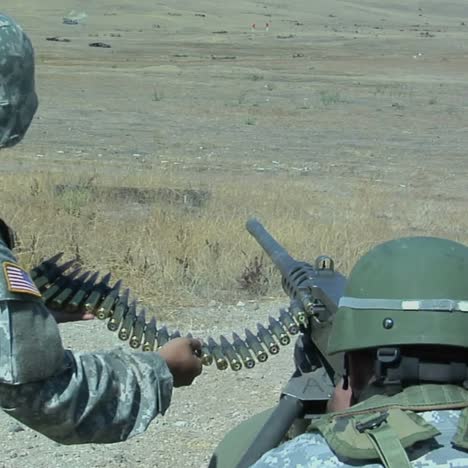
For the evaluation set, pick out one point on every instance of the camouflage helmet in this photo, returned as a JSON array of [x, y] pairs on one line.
[[18, 100], [408, 291]]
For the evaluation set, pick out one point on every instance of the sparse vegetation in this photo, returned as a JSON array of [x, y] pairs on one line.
[[256, 77], [254, 278], [328, 98], [394, 90], [172, 253]]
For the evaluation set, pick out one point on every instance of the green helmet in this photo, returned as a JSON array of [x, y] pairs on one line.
[[18, 100], [408, 291]]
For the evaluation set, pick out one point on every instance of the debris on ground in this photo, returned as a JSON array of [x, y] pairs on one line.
[[75, 17], [100, 44], [57, 39]]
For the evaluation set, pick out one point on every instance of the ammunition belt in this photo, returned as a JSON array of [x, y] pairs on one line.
[[65, 287]]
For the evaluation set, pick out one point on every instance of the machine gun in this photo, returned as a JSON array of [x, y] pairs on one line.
[[314, 291]]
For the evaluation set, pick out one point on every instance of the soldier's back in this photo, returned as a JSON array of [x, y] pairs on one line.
[[311, 449]]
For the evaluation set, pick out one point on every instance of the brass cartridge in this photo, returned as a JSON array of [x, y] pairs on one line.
[[128, 321], [57, 287], [206, 357], [288, 322], [266, 338], [95, 297], [162, 336], [243, 351], [149, 339], [204, 354], [119, 311], [60, 301], [215, 351], [75, 302], [229, 352], [105, 309], [138, 329], [254, 344], [298, 313], [278, 331]]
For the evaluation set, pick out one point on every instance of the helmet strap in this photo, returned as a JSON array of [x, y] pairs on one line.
[[346, 372], [393, 369]]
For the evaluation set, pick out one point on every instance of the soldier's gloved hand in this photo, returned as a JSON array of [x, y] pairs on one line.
[[182, 358]]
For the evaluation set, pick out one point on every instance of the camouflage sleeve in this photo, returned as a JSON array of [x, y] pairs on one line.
[[30, 344], [99, 397], [70, 397]]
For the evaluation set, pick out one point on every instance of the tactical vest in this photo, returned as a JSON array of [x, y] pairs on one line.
[[382, 427]]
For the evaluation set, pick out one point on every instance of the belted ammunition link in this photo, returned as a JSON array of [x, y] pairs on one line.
[[65, 287]]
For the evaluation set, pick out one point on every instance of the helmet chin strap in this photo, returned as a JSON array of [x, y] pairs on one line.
[[346, 372], [392, 369]]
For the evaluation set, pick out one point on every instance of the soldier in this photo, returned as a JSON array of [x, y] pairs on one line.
[[403, 400], [70, 397]]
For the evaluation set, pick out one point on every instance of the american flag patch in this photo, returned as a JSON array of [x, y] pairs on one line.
[[18, 281]]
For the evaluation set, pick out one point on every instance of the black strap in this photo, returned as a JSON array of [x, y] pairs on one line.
[[392, 368], [7, 235]]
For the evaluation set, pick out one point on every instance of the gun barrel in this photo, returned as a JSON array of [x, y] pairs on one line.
[[279, 256]]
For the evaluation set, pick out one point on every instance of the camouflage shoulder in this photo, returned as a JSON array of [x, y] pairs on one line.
[[15, 282]]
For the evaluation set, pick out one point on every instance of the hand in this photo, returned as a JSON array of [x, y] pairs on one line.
[[341, 399], [62, 317], [182, 358]]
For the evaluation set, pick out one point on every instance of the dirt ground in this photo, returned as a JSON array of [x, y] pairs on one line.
[[198, 417], [343, 92]]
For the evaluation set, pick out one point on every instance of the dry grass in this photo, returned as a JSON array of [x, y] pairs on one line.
[[172, 251]]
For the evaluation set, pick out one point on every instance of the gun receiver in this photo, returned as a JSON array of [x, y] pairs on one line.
[[314, 292]]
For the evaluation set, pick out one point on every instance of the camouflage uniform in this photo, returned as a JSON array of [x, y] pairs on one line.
[[406, 305], [311, 449], [70, 397]]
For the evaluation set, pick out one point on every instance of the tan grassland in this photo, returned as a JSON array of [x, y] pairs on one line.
[[341, 126], [173, 253]]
